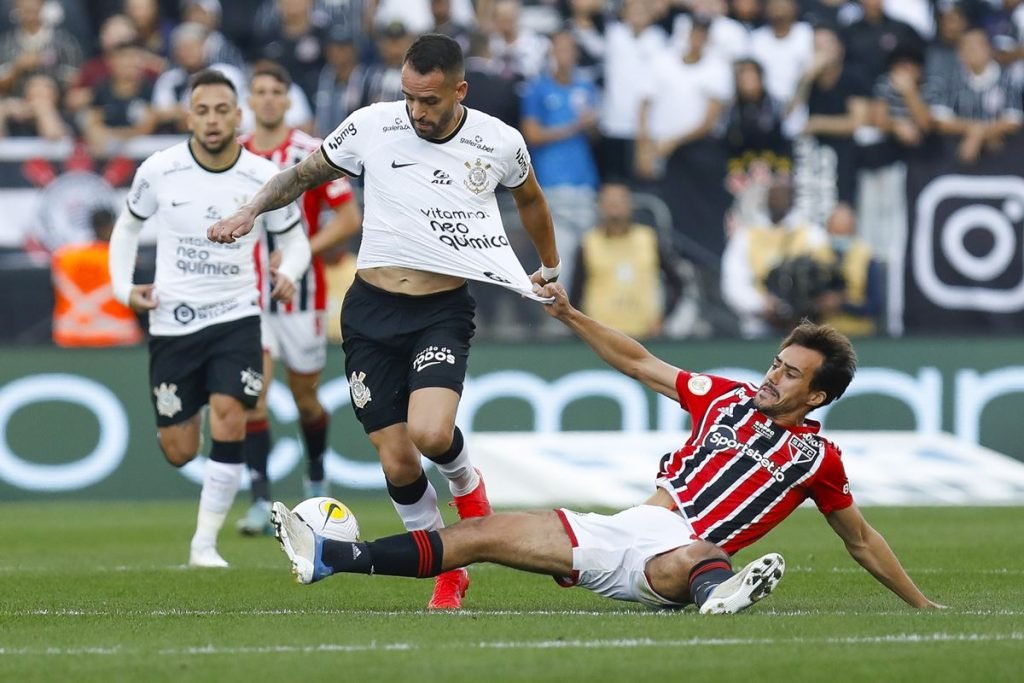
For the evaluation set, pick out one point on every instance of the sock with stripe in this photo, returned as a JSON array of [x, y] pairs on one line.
[[416, 504], [314, 433], [417, 554], [454, 464], [705, 577], [257, 452]]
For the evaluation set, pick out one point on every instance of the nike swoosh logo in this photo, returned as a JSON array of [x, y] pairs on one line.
[[330, 510], [427, 365], [174, 203], [395, 164]]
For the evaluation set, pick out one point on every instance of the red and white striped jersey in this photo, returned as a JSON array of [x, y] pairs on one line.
[[311, 291], [739, 474]]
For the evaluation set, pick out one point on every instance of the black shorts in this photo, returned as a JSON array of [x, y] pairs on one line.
[[219, 359], [395, 344]]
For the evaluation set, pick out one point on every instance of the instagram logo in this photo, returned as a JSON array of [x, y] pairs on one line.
[[968, 251]]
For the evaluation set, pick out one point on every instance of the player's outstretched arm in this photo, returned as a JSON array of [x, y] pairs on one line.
[[536, 218], [279, 191], [620, 351], [873, 553]]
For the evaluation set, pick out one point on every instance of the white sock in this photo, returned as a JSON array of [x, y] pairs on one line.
[[462, 478], [423, 514], [220, 483]]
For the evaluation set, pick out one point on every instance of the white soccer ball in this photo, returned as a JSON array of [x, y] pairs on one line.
[[329, 517]]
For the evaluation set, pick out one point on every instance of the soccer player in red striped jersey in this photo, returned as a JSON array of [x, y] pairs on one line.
[[753, 455], [294, 331]]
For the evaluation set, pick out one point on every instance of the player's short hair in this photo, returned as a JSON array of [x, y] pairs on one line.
[[840, 362], [274, 70], [211, 77], [434, 51]]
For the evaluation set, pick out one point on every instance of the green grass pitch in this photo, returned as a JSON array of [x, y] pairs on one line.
[[97, 592]]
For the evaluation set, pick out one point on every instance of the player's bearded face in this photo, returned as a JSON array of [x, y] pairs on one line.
[[786, 388], [213, 117], [431, 101]]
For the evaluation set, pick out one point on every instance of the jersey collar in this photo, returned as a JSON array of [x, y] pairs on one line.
[[200, 164], [446, 138]]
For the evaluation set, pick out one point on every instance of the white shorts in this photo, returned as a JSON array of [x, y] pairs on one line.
[[299, 340], [610, 552]]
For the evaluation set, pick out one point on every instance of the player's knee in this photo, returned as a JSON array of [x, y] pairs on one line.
[[178, 452], [431, 440], [309, 408], [400, 472], [699, 551]]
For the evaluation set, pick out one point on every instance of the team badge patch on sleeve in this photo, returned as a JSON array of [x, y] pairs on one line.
[[360, 392], [167, 402], [699, 385]]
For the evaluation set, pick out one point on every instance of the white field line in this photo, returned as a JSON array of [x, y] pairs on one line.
[[464, 613], [612, 644]]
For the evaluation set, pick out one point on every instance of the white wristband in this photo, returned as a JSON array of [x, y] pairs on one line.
[[550, 274]]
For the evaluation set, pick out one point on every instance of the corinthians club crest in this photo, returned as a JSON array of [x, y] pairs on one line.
[[360, 392], [476, 181], [167, 402]]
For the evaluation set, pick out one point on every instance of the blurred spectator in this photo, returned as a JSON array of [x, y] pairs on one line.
[[784, 47], [85, 311], [559, 116], [898, 110], [676, 142], [489, 90], [340, 87], [754, 126], [116, 30], [417, 15], [941, 55], [218, 49], [854, 310], [153, 27], [445, 24], [383, 80], [746, 12], [30, 46], [980, 101], [1004, 33], [121, 107], [728, 39], [837, 105], [758, 253], [519, 50], [871, 40], [833, 14], [170, 93], [631, 46], [295, 42], [623, 277], [36, 112], [586, 21]]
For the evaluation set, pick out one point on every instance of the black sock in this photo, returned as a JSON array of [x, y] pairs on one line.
[[417, 554], [228, 452], [454, 450], [257, 451], [705, 577], [410, 494], [315, 435]]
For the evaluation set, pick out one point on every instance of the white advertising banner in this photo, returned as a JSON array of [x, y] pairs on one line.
[[616, 469]]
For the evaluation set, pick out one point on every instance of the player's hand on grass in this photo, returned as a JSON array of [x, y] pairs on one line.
[[227, 230], [284, 288], [143, 298]]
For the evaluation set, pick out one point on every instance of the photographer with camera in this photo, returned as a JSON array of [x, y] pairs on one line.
[[779, 271]]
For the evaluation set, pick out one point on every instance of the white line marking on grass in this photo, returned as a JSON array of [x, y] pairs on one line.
[[910, 570], [609, 644]]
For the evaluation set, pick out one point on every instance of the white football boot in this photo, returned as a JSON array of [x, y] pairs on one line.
[[302, 546], [206, 556], [750, 584]]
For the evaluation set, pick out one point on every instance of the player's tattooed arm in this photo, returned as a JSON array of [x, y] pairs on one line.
[[289, 184]]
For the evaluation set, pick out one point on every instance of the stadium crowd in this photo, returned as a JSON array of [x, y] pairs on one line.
[[711, 165]]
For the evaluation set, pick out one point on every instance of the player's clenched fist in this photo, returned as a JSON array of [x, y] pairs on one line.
[[227, 230]]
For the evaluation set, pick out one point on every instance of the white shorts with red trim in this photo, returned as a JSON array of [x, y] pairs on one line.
[[610, 552], [299, 339]]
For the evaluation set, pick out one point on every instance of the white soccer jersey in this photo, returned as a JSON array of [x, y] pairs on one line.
[[198, 282], [429, 204]]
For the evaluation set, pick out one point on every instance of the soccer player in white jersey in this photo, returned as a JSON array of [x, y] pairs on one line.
[[294, 331], [203, 304], [430, 167], [751, 459]]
